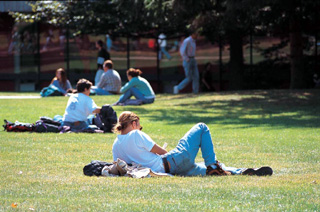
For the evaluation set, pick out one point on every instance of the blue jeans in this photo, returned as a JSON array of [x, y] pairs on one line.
[[164, 51], [81, 125], [182, 158], [137, 94], [100, 91], [192, 74]]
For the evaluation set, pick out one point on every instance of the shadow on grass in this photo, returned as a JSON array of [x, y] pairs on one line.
[[279, 108]]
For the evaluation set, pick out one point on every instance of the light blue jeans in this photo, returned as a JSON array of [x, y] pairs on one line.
[[164, 51], [192, 74], [137, 94], [100, 91], [182, 158]]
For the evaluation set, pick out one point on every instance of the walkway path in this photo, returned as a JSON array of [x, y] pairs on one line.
[[20, 97]]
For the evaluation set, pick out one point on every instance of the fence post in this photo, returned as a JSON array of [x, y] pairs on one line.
[[38, 59], [220, 61], [158, 62], [128, 51], [67, 52]]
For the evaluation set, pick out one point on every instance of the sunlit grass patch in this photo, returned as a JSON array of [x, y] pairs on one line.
[[278, 128]]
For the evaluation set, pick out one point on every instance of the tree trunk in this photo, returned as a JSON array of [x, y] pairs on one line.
[[236, 61], [296, 55]]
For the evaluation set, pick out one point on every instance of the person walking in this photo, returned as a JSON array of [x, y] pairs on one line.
[[163, 44], [188, 52]]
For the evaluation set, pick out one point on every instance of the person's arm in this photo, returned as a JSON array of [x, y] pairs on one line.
[[183, 50], [97, 110], [156, 149], [205, 83], [128, 85]]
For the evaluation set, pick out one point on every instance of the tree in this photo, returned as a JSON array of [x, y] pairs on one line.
[[292, 19], [138, 18], [227, 21]]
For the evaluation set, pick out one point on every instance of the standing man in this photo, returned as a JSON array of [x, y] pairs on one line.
[[188, 51], [103, 54], [110, 81]]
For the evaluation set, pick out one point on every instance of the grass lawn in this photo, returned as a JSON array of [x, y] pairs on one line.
[[279, 128]]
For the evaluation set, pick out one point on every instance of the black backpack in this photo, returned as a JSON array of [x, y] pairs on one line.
[[41, 127], [106, 119], [95, 168]]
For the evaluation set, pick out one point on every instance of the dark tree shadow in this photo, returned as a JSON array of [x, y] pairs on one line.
[[274, 108]]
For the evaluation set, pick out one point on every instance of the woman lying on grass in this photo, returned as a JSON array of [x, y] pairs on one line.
[[133, 145]]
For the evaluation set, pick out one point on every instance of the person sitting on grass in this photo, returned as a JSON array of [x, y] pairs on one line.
[[110, 81], [61, 82], [138, 87], [133, 145], [79, 106]]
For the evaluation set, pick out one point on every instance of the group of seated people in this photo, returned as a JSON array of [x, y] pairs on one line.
[[134, 146], [108, 82]]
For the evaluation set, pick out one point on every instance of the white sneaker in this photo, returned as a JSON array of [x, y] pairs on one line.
[[175, 89]]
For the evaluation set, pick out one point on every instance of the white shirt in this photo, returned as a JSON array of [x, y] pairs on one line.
[[162, 40], [79, 107], [135, 147]]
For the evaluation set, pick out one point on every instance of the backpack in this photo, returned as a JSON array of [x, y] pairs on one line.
[[95, 168], [41, 126], [106, 119], [51, 90], [17, 126], [48, 120]]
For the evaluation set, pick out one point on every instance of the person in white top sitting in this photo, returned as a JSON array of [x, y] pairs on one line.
[[133, 145], [79, 107]]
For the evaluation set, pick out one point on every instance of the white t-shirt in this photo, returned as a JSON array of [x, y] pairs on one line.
[[162, 40], [79, 107], [135, 147]]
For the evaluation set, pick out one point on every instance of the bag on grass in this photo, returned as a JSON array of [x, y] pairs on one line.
[[18, 126], [41, 126], [51, 90], [95, 168], [48, 120], [106, 119]]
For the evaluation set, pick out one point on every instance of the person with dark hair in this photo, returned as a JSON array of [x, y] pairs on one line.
[[135, 146], [188, 52], [110, 81], [316, 81], [138, 87], [206, 79], [61, 81], [103, 54], [79, 107]]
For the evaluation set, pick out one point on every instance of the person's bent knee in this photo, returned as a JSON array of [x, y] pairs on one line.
[[202, 125]]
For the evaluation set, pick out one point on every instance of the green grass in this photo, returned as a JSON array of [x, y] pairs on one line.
[[279, 128]]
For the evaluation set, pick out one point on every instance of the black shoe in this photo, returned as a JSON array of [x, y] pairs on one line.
[[262, 171]]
